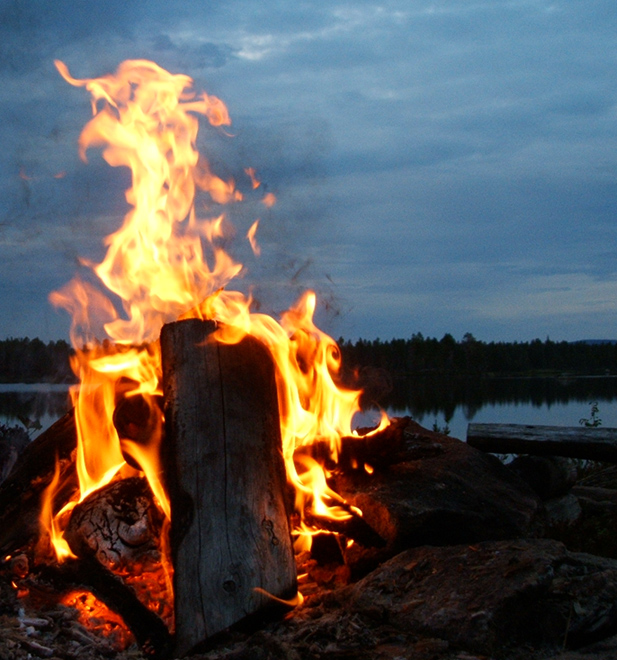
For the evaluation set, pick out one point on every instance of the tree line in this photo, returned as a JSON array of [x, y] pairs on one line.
[[33, 361], [469, 356]]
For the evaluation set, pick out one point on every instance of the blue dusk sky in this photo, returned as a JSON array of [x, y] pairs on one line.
[[440, 166]]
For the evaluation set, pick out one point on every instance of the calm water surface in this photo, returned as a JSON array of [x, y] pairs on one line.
[[39, 402], [548, 401], [455, 402]]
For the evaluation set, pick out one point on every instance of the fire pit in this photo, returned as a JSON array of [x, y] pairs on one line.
[[187, 461]]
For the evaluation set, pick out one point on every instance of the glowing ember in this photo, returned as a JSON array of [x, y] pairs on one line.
[[166, 263], [96, 617]]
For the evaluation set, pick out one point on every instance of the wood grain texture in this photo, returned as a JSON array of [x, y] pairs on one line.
[[226, 478]]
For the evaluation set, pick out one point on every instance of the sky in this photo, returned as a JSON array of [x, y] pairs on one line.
[[440, 166]]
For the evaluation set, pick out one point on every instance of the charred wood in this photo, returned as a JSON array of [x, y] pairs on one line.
[[354, 527], [119, 525], [325, 549], [377, 450], [150, 632], [20, 493]]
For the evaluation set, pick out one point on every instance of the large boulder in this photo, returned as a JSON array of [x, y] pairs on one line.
[[493, 596], [440, 491], [506, 600]]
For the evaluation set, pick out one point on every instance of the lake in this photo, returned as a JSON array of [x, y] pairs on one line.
[[429, 400], [38, 402], [457, 402]]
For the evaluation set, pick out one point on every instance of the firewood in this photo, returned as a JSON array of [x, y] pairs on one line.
[[20, 493], [150, 632], [374, 451], [222, 456], [119, 525], [354, 527], [138, 417]]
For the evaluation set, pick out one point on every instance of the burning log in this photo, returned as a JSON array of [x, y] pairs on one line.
[[119, 525], [363, 452], [149, 630], [230, 536], [135, 417], [20, 493]]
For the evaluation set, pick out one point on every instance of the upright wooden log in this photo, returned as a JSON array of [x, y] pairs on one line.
[[230, 535]]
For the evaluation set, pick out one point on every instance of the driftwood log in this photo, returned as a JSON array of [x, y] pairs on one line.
[[230, 536], [596, 444]]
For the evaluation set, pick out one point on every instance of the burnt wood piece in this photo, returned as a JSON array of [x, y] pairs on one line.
[[150, 632], [596, 444], [136, 416], [355, 528], [20, 493], [377, 450], [222, 457], [139, 418], [119, 525]]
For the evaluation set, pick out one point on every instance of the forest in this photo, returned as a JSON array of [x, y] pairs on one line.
[[31, 360], [469, 356]]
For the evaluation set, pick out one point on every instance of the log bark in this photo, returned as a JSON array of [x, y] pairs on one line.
[[596, 444], [230, 535]]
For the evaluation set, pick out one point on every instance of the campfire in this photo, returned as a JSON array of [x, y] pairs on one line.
[[208, 477], [205, 431]]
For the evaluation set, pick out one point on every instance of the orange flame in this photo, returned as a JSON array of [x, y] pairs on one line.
[[269, 200], [166, 263], [252, 240], [251, 174]]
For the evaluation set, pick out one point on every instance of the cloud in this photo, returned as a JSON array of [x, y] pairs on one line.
[[427, 156]]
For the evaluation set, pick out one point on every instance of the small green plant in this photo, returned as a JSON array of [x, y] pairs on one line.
[[444, 430], [593, 420]]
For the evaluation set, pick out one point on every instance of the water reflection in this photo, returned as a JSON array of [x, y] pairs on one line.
[[439, 395], [456, 401], [447, 400], [22, 404]]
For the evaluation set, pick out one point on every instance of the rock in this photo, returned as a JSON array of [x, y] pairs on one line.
[[593, 530], [564, 510], [443, 492], [594, 499], [493, 596], [549, 476]]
